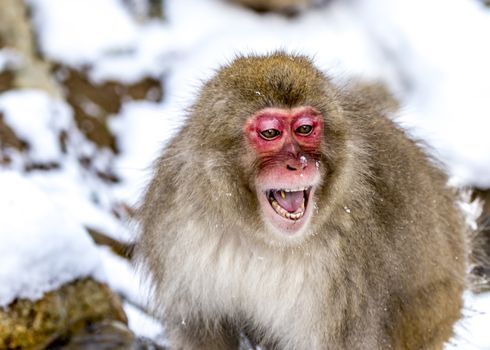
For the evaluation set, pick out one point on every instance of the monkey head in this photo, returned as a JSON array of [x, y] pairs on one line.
[[271, 115]]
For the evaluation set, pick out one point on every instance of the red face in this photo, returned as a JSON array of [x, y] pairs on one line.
[[287, 143]]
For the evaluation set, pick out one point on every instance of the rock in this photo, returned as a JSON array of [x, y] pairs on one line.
[[9, 140], [484, 196], [286, 7], [32, 325], [16, 34], [94, 103], [480, 244], [6, 80], [123, 249], [144, 10], [104, 335]]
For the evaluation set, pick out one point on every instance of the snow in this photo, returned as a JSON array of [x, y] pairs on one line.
[[434, 56], [78, 32], [472, 330], [141, 324], [51, 117], [444, 60], [81, 197], [77, 35], [43, 237], [143, 128], [8, 58], [149, 56], [40, 249]]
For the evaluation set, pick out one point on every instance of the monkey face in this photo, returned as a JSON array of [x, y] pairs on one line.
[[286, 143]]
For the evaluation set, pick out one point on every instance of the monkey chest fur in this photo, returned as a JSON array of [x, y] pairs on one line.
[[277, 296]]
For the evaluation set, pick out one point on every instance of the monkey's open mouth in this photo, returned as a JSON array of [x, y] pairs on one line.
[[289, 203]]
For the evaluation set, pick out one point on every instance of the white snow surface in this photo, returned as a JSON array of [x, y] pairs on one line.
[[471, 332], [143, 325], [41, 246], [76, 32], [434, 55], [440, 48], [36, 118], [143, 128], [9, 58], [43, 237]]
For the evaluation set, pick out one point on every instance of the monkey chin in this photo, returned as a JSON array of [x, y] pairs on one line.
[[288, 227]]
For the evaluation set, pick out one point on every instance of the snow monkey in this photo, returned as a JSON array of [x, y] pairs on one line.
[[294, 212]]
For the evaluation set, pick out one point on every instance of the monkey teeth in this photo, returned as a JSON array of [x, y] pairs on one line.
[[289, 203], [296, 189], [298, 214]]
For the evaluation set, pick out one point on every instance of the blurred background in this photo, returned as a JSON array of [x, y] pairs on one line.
[[91, 90]]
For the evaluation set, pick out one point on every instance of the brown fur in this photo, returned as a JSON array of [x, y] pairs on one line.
[[382, 262]]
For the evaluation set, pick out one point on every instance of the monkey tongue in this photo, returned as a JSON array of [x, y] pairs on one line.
[[291, 201]]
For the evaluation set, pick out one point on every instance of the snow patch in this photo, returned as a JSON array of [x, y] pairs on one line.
[[38, 119], [142, 324], [9, 58], [442, 57], [42, 247], [471, 332], [79, 32], [143, 128]]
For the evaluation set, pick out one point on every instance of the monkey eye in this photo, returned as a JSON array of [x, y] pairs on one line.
[[270, 134], [304, 129]]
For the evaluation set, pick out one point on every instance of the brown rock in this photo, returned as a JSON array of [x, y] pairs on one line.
[[6, 80], [9, 140], [104, 335], [480, 254], [16, 33], [94, 103], [484, 196], [285, 7], [123, 249], [32, 325]]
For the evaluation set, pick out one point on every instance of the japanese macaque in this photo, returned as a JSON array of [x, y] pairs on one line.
[[295, 212]]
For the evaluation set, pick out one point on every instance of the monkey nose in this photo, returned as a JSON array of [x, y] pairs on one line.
[[297, 164]]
